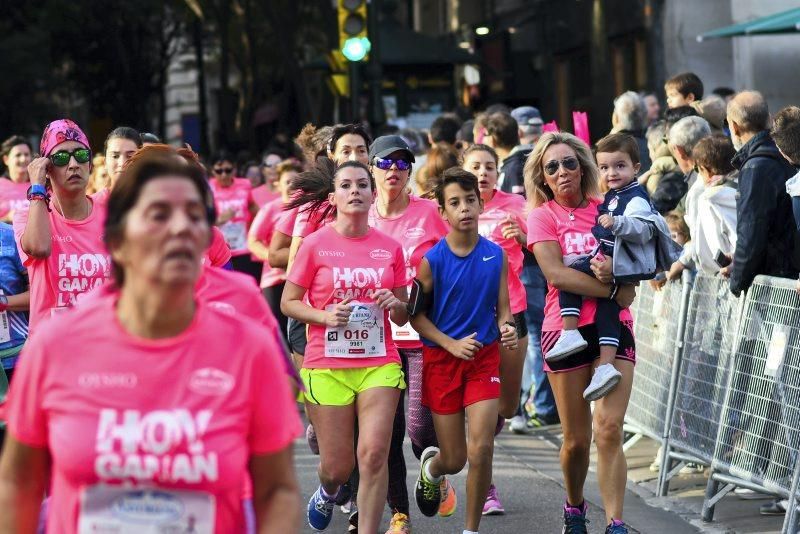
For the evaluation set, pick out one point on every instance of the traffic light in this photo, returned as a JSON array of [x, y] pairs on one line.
[[353, 40]]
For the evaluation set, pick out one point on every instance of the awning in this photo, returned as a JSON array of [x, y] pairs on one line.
[[784, 22]]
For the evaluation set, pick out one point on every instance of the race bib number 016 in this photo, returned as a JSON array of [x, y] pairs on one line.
[[145, 511], [362, 337]]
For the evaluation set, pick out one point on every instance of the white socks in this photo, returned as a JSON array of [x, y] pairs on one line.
[[470, 532]]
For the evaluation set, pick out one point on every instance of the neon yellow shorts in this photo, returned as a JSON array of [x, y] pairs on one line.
[[339, 387]]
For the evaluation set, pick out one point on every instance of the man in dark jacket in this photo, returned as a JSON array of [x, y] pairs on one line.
[[765, 231], [502, 134]]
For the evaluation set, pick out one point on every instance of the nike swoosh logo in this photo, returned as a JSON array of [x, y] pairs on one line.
[[487, 259]]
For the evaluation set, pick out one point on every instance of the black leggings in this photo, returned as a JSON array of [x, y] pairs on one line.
[[397, 497], [273, 296], [243, 263]]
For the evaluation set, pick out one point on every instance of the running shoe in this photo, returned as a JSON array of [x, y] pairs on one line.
[[353, 522], [692, 468], [519, 425], [311, 438], [493, 506], [538, 421], [427, 493], [400, 524], [749, 495], [776, 507], [604, 379], [449, 501], [616, 527], [655, 467], [575, 519], [320, 510], [569, 342]]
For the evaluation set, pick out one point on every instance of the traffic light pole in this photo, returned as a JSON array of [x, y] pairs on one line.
[[355, 86], [376, 114]]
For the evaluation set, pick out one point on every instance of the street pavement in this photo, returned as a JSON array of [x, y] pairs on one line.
[[527, 475]]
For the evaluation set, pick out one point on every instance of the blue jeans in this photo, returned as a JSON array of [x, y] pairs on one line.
[[534, 379]]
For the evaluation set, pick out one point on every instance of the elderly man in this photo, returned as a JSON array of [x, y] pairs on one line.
[[530, 123], [765, 230], [630, 117], [683, 136]]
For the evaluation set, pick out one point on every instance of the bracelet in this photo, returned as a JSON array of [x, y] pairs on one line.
[[37, 189], [512, 324], [614, 290]]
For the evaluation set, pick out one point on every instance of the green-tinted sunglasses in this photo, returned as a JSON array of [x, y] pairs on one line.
[[62, 157]]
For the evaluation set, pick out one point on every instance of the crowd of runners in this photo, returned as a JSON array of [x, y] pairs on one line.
[[155, 384]]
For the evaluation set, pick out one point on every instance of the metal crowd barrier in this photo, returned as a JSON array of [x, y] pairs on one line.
[[718, 382]]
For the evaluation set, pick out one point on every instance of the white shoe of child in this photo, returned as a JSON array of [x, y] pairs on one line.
[[604, 379], [568, 343]]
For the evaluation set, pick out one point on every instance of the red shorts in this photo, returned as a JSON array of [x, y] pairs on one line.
[[449, 384]]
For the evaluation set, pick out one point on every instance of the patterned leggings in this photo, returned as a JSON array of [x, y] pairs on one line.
[[420, 421]]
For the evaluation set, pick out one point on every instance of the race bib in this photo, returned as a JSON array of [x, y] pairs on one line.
[[362, 337], [5, 329], [235, 234], [145, 511], [404, 332]]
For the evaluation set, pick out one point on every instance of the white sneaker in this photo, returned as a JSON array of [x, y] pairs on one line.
[[655, 467], [604, 379], [519, 425], [692, 468], [749, 495], [568, 343]]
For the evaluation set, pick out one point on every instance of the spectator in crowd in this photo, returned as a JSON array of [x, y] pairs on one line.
[[725, 93], [664, 180], [786, 134], [441, 157], [653, 107], [682, 138], [417, 141], [479, 128], [530, 123], [444, 129], [712, 108], [630, 117], [683, 89], [502, 134], [765, 231], [464, 138]]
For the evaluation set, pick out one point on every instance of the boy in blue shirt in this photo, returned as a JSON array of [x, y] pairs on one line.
[[461, 309]]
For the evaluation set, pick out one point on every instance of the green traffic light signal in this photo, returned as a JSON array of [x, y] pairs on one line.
[[356, 48]]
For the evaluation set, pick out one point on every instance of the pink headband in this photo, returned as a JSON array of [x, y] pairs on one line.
[[59, 131]]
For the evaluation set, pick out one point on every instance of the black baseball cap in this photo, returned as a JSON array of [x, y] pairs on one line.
[[387, 144]]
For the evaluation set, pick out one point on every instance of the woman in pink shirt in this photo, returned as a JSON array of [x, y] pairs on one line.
[[503, 222], [60, 236], [561, 180], [14, 184], [355, 280], [235, 210], [157, 424]]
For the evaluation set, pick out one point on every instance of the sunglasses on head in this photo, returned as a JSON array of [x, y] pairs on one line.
[[551, 167], [385, 164], [223, 170], [62, 157]]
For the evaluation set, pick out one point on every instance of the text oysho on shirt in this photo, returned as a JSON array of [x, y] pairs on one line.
[[182, 414], [234, 199], [496, 213], [334, 268], [78, 262], [552, 222]]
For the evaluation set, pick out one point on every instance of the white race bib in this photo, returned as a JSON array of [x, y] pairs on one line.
[[5, 329], [404, 332], [235, 235], [124, 510], [362, 337]]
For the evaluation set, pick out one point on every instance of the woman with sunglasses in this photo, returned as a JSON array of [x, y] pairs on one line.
[[60, 236], [137, 402], [503, 223], [416, 224], [561, 180], [14, 184], [236, 208], [354, 278]]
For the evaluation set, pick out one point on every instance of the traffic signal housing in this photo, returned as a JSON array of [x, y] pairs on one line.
[[353, 38]]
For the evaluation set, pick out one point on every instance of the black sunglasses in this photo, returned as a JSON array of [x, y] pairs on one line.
[[551, 167], [223, 170]]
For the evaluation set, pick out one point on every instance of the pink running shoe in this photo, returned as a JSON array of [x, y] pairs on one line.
[[493, 506]]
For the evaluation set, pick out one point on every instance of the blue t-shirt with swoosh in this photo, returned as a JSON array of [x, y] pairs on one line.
[[465, 291]]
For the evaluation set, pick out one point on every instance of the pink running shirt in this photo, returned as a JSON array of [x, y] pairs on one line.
[[261, 230], [285, 222], [490, 226], [78, 262], [262, 195], [551, 222], [218, 252], [417, 229], [332, 268], [308, 223], [181, 415], [13, 197], [236, 197]]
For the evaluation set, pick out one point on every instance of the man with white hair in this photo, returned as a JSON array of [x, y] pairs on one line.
[[630, 117], [765, 231], [530, 123]]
